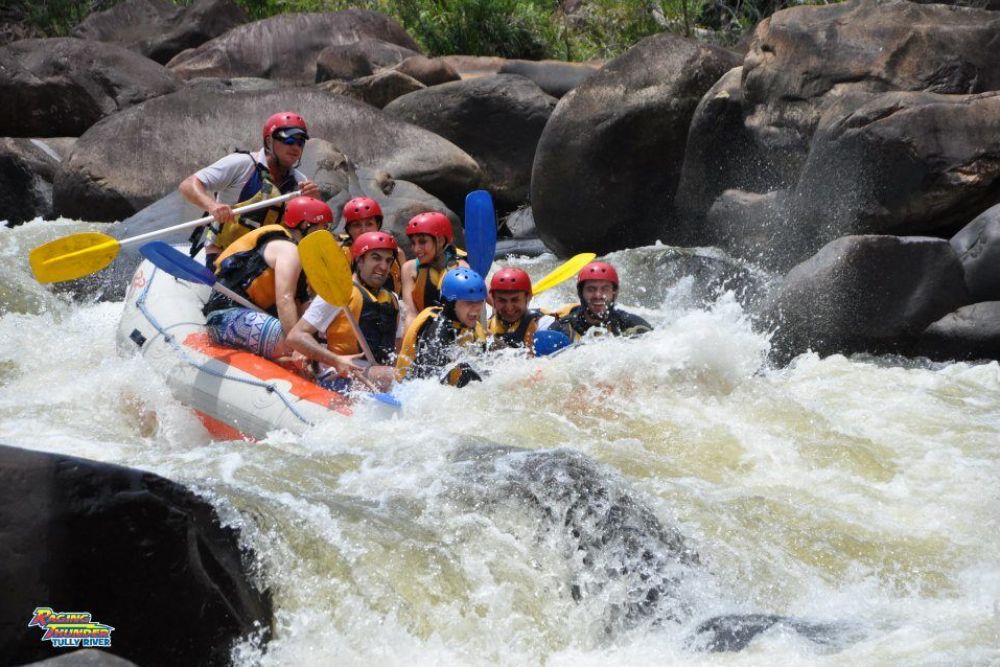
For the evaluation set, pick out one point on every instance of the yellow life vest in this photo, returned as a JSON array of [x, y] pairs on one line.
[[518, 334], [272, 215], [427, 286], [247, 273], [367, 309], [408, 351]]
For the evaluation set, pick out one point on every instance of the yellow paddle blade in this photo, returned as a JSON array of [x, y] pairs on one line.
[[326, 267], [72, 256], [566, 270]]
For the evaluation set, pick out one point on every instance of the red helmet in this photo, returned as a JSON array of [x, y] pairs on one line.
[[308, 210], [598, 271], [362, 208], [285, 120], [432, 223], [372, 241], [510, 280]]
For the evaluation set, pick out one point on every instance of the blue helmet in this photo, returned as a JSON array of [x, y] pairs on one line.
[[548, 341], [463, 284]]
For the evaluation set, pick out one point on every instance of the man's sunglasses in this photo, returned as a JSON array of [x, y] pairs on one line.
[[293, 141]]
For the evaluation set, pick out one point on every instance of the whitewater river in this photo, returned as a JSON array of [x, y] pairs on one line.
[[859, 493]]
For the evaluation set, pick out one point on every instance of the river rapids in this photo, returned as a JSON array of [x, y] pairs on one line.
[[855, 494]]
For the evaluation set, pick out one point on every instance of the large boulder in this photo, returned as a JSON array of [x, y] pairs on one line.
[[496, 119], [867, 293], [970, 333], [357, 59], [286, 46], [428, 71], [160, 29], [135, 550], [27, 169], [802, 59], [59, 87], [555, 77], [978, 248], [133, 158], [609, 160], [378, 89]]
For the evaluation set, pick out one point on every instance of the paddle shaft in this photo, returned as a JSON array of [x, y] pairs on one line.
[[207, 219], [359, 335]]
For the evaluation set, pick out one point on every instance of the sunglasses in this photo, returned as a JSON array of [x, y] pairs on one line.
[[297, 140]]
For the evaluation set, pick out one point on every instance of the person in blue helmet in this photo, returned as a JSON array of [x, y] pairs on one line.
[[436, 338]]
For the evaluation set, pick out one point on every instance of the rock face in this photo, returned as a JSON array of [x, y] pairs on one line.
[[970, 333], [357, 59], [27, 169], [555, 77], [135, 550], [286, 46], [428, 71], [609, 160], [867, 293], [978, 248], [495, 119], [159, 29], [377, 89], [133, 158], [61, 86]]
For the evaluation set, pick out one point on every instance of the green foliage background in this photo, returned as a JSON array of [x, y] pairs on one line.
[[562, 29]]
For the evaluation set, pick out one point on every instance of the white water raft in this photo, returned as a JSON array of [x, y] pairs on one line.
[[235, 393]]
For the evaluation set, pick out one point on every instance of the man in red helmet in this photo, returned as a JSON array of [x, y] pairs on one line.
[[362, 215], [512, 323], [597, 286], [375, 308], [245, 178], [431, 238], [263, 266]]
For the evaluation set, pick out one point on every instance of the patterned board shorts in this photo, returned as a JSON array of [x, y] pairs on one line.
[[246, 329]]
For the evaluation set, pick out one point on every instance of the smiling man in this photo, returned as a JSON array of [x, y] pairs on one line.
[[243, 178], [512, 323], [597, 286]]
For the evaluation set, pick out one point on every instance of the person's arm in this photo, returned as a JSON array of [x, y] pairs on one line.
[[283, 257], [302, 339], [409, 280]]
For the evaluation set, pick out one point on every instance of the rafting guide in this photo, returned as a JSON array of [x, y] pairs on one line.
[[71, 629]]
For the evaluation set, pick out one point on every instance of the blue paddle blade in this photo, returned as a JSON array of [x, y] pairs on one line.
[[387, 399], [480, 231], [176, 263]]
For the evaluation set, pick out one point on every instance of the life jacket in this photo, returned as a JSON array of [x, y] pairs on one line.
[[378, 318], [427, 286], [395, 281], [259, 187], [518, 334], [461, 336], [242, 268], [574, 324]]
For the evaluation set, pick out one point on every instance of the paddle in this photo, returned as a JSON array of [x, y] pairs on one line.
[[329, 274], [480, 231], [79, 255], [181, 266], [566, 270]]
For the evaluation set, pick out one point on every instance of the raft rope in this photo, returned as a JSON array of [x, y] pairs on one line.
[[204, 368]]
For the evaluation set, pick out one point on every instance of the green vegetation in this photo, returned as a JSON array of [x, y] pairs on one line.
[[563, 29]]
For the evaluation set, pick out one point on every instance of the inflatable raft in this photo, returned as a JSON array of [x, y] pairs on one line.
[[236, 394]]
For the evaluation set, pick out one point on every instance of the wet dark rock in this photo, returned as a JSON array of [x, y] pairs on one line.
[[495, 119], [428, 71], [134, 158], [378, 89], [735, 632], [555, 77], [520, 223], [27, 169], [59, 87], [135, 550], [867, 294], [970, 333], [978, 248], [608, 163], [357, 59], [286, 46], [159, 29]]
